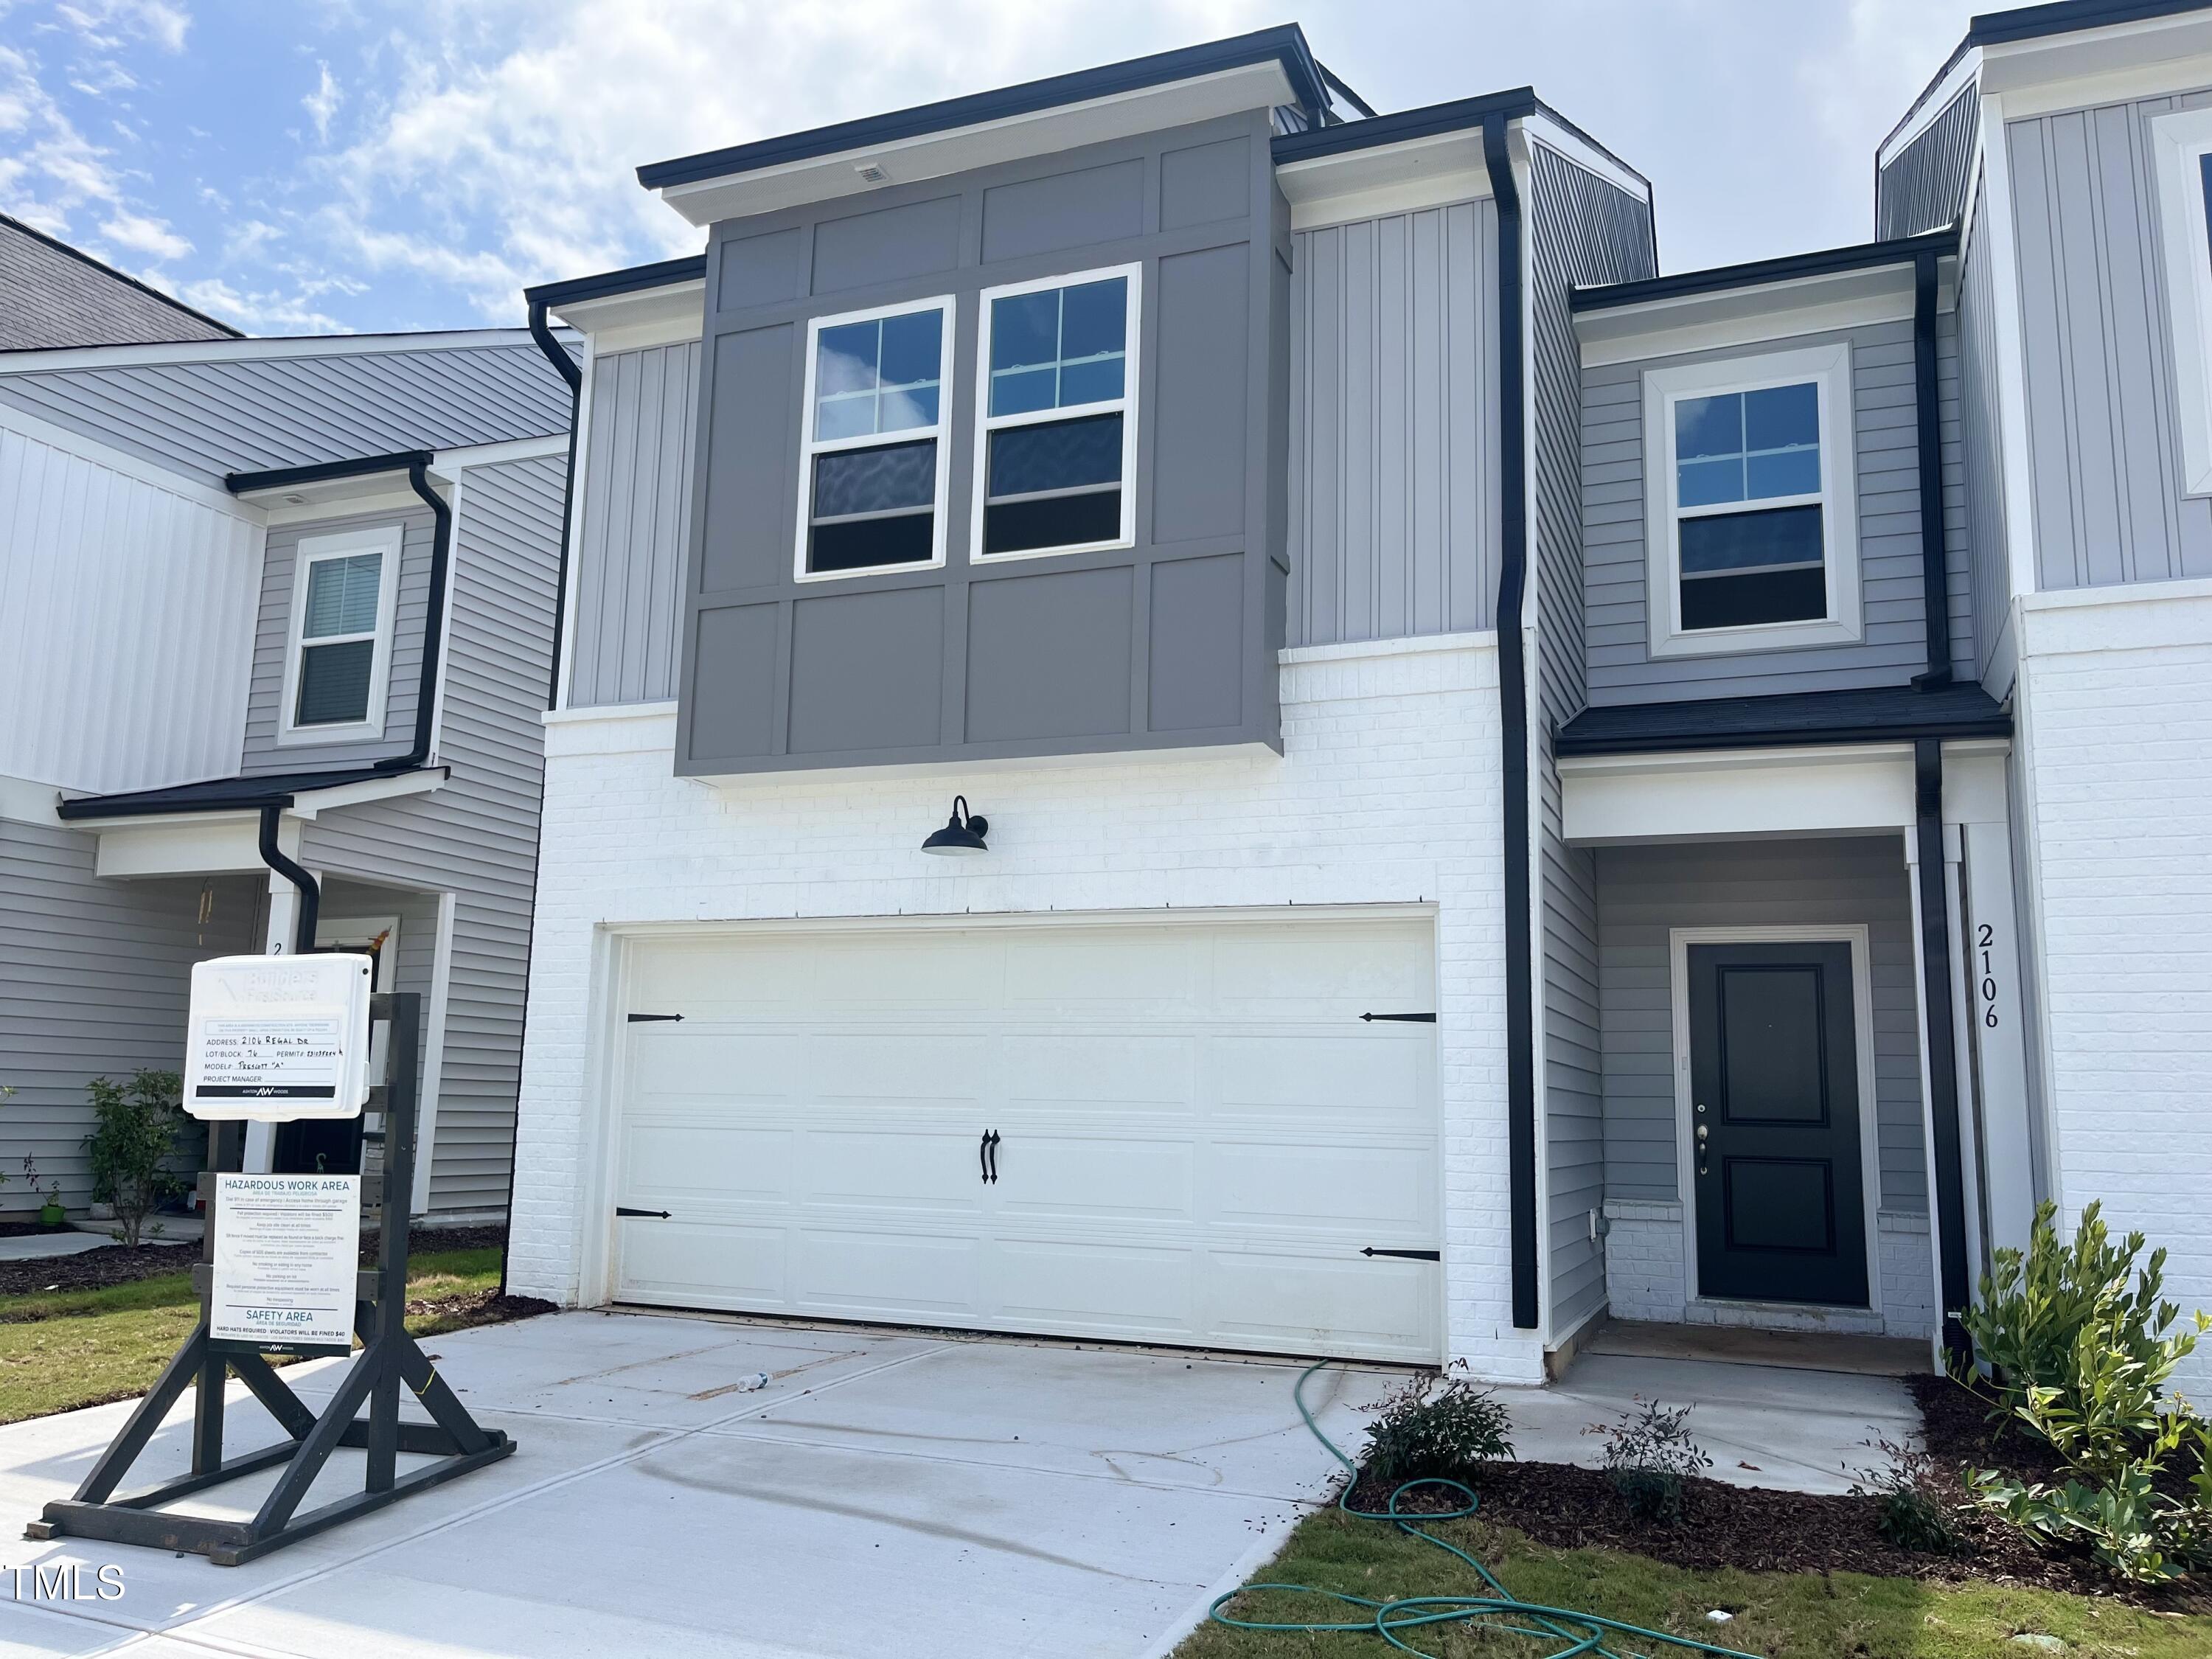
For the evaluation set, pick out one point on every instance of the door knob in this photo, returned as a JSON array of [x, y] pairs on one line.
[[1702, 1133]]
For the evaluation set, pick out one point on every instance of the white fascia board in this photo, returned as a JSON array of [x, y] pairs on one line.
[[343, 498], [2085, 66], [186, 844], [962, 149], [1736, 794], [449, 463], [1936, 100], [647, 317], [235, 351], [1366, 183], [26, 800], [190, 486], [309, 802], [1765, 313], [1572, 146]]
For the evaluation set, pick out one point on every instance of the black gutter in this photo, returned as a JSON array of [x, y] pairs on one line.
[[1335, 83], [557, 354], [632, 279], [1935, 567], [311, 898], [1819, 737], [1996, 28], [1943, 1052], [1826, 262], [1513, 718], [355, 466], [1284, 44], [1403, 127]]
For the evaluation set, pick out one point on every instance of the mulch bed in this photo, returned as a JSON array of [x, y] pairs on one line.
[[486, 1308], [1764, 1531], [25, 1229], [114, 1264]]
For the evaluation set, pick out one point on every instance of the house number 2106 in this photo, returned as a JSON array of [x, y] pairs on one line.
[[1985, 941]]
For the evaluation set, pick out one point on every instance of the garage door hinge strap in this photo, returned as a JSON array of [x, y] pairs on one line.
[[1415, 1019], [1410, 1256], [658, 1215], [643, 1019]]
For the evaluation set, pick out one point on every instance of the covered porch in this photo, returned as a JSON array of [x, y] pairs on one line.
[[1804, 1108]]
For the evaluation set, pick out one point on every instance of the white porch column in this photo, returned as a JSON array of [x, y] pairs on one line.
[[1975, 800]]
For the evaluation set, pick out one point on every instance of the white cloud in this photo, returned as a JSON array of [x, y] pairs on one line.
[[323, 102], [143, 234], [107, 24], [53, 167], [258, 312]]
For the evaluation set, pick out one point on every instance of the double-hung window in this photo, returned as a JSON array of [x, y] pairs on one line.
[[2181, 156], [1753, 534], [338, 656], [1056, 438], [872, 472]]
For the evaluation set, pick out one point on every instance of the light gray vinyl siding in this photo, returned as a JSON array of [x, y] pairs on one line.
[[1982, 452], [1582, 231], [1925, 186], [94, 976], [2102, 444], [209, 418], [1644, 891], [263, 750], [1886, 434], [636, 502], [1393, 438], [478, 835]]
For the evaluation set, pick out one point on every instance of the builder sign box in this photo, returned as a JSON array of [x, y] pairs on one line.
[[287, 1249], [276, 1038]]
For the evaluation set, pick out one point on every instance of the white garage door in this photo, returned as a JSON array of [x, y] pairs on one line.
[[1194, 1135]]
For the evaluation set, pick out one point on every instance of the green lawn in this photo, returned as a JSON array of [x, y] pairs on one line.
[[1778, 1615], [77, 1348]]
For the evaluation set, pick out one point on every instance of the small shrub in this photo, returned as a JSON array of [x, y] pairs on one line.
[[1911, 1512], [1437, 1432], [1648, 1454], [134, 1134]]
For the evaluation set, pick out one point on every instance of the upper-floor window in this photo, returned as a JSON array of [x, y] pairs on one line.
[[2181, 146], [338, 656], [1752, 535], [1056, 439], [871, 474]]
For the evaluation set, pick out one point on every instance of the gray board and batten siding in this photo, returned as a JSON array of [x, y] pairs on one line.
[[1583, 231], [1982, 454], [1893, 648], [1644, 892], [1925, 186], [210, 416], [1169, 644], [2103, 446], [94, 976]]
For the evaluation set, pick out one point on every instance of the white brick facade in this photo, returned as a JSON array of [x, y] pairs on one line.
[[2115, 715], [1387, 794]]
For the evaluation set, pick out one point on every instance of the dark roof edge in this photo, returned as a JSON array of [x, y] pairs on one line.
[[240, 484], [1285, 43], [1998, 725], [106, 270], [632, 279], [1402, 127], [1864, 256], [277, 789]]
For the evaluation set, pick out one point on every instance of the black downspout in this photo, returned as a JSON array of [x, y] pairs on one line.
[[1935, 564], [433, 624], [311, 896], [1513, 715], [1943, 1051], [557, 354]]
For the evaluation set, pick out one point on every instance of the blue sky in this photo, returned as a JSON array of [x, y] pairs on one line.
[[302, 166]]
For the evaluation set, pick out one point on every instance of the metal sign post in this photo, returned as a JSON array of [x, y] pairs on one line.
[[387, 1358]]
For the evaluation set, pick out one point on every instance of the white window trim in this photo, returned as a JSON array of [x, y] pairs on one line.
[[2178, 141], [1829, 368], [388, 540], [1125, 405], [810, 447]]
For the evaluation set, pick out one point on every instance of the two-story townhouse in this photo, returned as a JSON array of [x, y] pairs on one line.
[[1507, 788], [276, 616]]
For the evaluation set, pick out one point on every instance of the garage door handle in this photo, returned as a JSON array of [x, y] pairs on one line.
[[1415, 1019], [986, 1154], [658, 1215], [1409, 1255]]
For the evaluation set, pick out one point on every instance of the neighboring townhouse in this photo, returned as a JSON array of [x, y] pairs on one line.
[[276, 617], [1488, 786]]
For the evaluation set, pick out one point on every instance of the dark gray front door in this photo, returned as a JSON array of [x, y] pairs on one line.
[[1774, 1115]]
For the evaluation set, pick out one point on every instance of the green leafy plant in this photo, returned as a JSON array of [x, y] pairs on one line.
[[2081, 1344], [1437, 1432], [134, 1134], [1912, 1511], [1648, 1453]]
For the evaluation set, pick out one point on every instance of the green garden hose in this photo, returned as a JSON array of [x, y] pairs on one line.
[[1501, 1612]]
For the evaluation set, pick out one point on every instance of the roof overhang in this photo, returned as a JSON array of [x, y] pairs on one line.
[[1249, 72], [166, 840], [302, 795], [1767, 300], [620, 310], [53, 359]]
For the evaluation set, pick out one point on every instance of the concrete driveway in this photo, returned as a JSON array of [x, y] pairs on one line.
[[886, 1493]]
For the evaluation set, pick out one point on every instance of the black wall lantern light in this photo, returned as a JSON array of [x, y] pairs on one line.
[[963, 835]]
